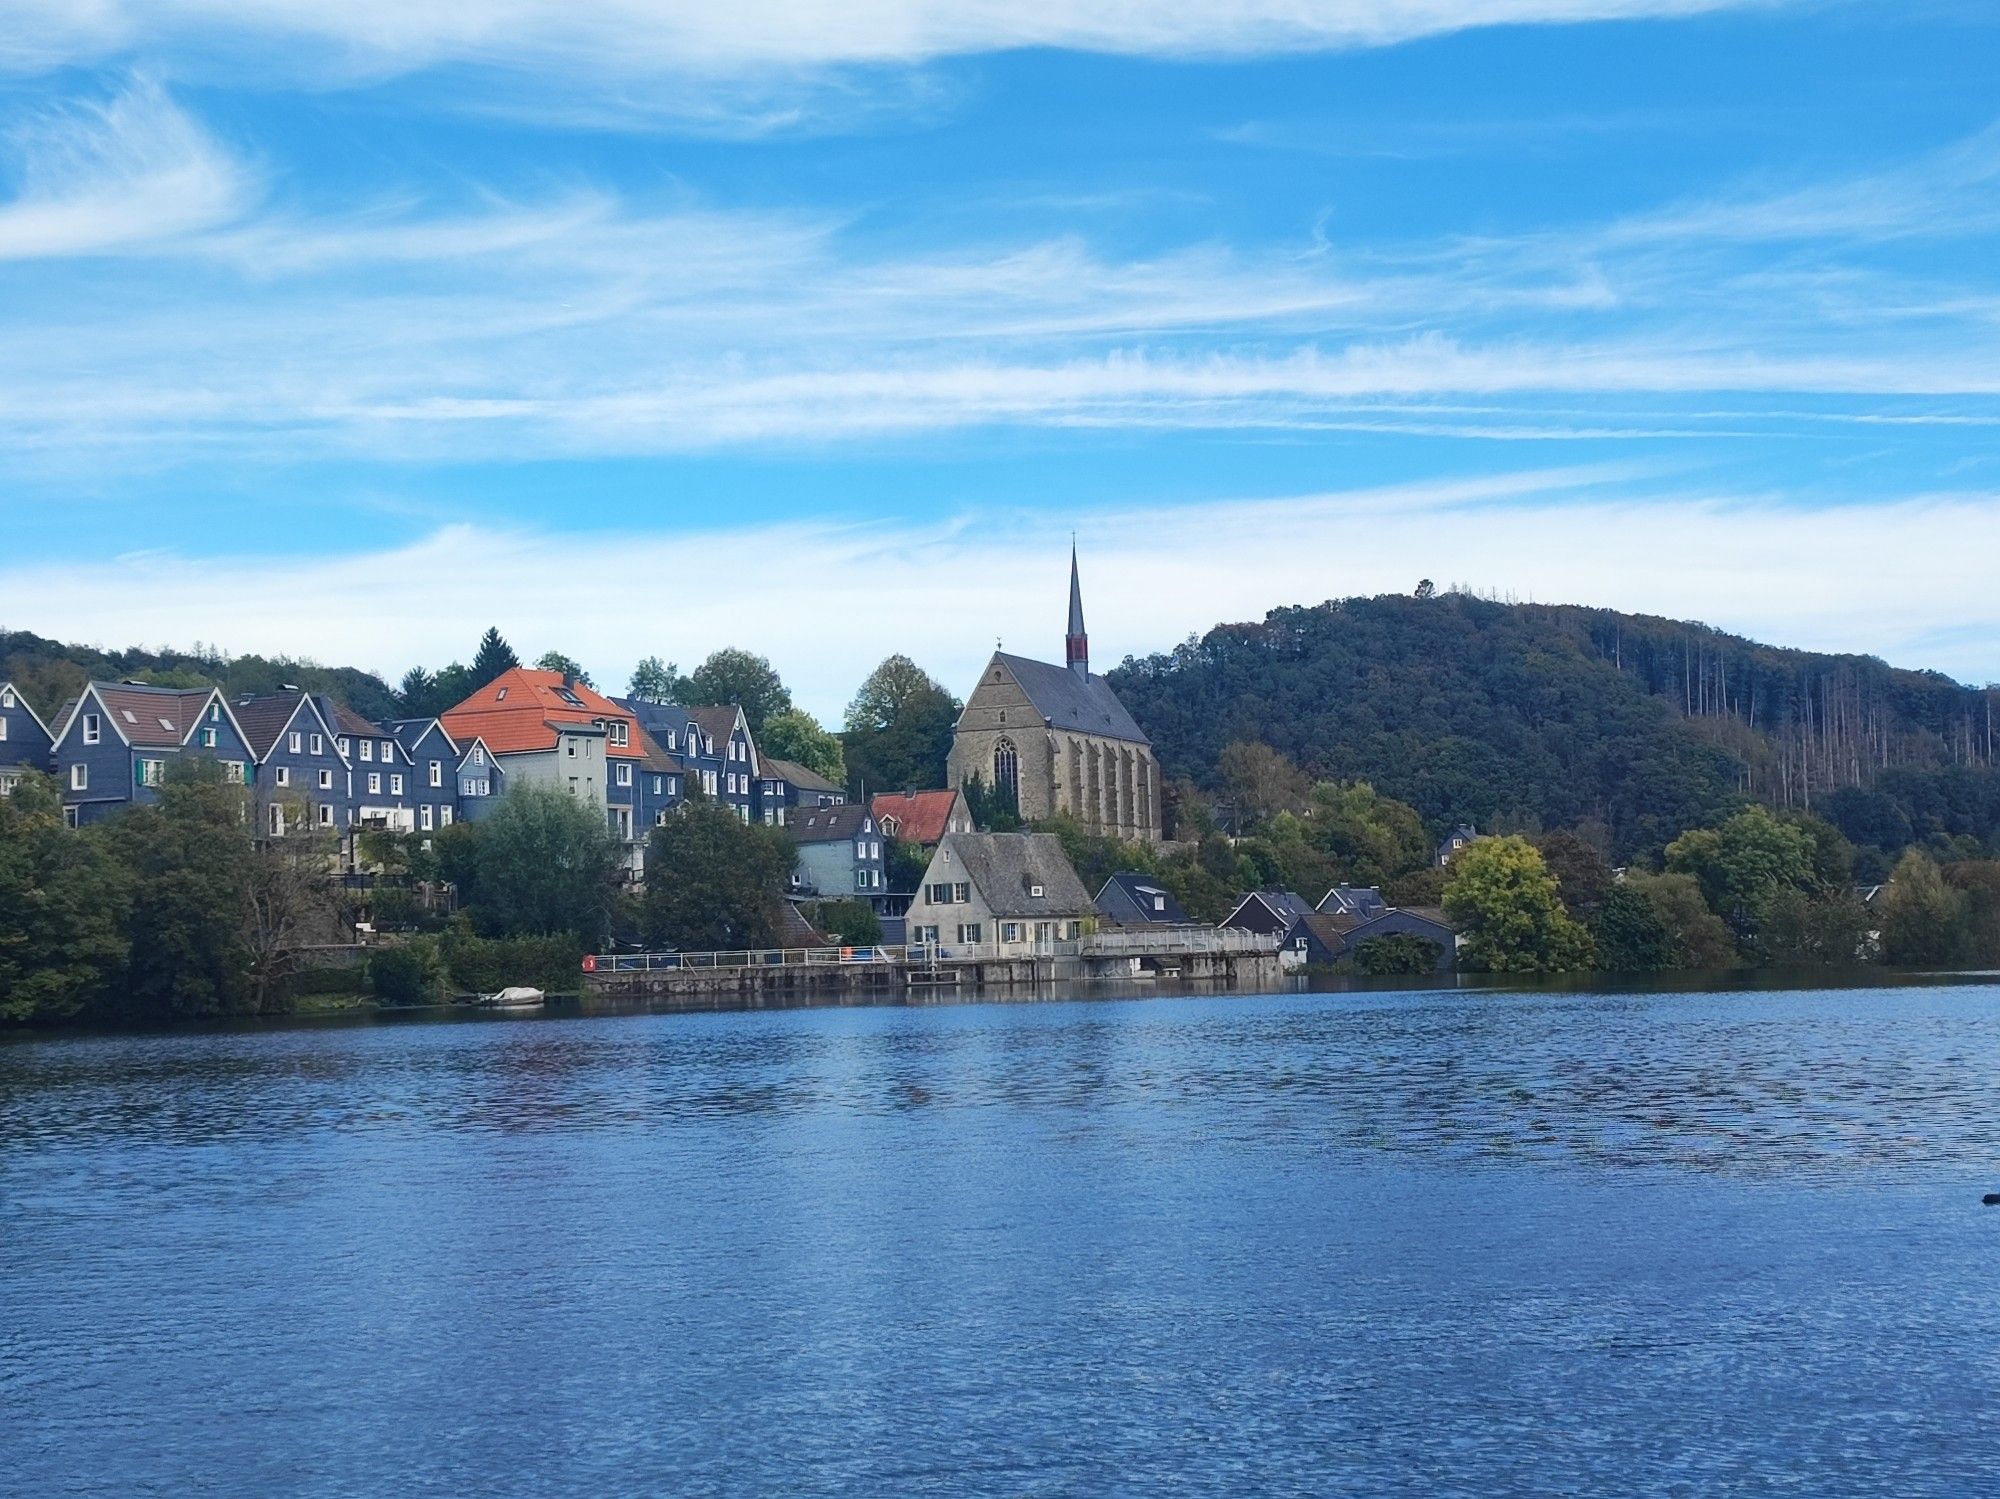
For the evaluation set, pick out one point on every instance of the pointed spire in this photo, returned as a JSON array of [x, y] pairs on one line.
[[1077, 646]]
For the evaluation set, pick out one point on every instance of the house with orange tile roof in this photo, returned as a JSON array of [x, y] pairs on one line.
[[921, 817], [549, 728]]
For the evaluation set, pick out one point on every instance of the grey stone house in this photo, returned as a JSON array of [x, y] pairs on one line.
[[1016, 893]]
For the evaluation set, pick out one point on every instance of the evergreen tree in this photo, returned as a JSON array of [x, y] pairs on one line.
[[1631, 934], [493, 659], [417, 694]]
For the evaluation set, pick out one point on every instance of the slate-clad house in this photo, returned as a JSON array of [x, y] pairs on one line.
[[783, 786], [726, 733], [1352, 900], [1458, 838], [482, 781], [433, 755], [674, 732], [384, 774], [1269, 913], [112, 744], [839, 851], [1129, 899], [657, 784], [1014, 892], [922, 818], [1056, 739], [300, 770], [1323, 939], [25, 740]]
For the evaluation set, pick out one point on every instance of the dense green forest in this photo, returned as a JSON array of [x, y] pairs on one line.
[[1536, 717], [51, 673]]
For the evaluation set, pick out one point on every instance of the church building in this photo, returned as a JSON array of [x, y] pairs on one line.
[[1058, 740]]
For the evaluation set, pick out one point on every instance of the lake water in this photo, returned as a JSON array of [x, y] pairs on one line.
[[1425, 1243]]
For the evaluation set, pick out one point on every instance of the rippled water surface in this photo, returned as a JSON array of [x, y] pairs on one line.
[[1390, 1243]]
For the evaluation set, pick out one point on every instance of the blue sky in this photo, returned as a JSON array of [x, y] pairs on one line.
[[346, 330]]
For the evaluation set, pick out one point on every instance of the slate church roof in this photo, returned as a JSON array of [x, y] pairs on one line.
[[1070, 700]]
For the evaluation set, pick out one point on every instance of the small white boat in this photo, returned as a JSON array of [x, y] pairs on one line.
[[517, 998]]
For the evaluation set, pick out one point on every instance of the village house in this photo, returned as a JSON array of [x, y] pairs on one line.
[[1012, 893], [921, 818], [1269, 913], [839, 852], [25, 741], [1054, 739], [1129, 899], [1460, 837], [111, 744], [1323, 939], [783, 786], [300, 771]]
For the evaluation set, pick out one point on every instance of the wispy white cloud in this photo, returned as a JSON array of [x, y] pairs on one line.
[[125, 174], [578, 320], [1919, 561], [624, 39]]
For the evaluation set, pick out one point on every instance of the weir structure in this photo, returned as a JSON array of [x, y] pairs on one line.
[[1225, 958]]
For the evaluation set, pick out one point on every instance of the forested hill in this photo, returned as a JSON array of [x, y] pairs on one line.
[[51, 673], [1551, 716]]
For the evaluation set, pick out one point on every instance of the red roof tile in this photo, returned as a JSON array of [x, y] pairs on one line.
[[516, 713], [917, 816]]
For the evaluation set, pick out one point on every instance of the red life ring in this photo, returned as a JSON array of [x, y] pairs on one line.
[[589, 963]]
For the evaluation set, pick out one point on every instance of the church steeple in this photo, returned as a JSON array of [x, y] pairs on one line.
[[1077, 647]]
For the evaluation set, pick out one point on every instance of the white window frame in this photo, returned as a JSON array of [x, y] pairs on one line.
[[208, 739], [368, 750], [374, 783], [93, 729], [344, 745], [79, 776], [326, 780], [424, 816], [319, 744], [284, 775], [296, 742], [326, 814], [395, 785], [437, 772]]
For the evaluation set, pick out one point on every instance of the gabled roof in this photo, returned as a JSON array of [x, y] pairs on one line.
[[410, 732], [264, 719], [826, 824], [1331, 930], [794, 774], [1287, 906], [147, 717], [519, 711], [657, 760], [1070, 700], [476, 743], [920, 816], [1352, 900], [1006, 869], [718, 722], [21, 701], [667, 722], [1143, 891]]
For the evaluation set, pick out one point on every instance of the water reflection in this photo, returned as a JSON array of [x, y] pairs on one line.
[[1442, 1242]]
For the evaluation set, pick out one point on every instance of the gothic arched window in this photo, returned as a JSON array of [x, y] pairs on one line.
[[1007, 770]]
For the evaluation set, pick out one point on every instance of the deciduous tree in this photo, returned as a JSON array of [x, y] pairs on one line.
[[740, 677], [542, 862], [899, 728], [796, 735], [1503, 900], [715, 882]]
